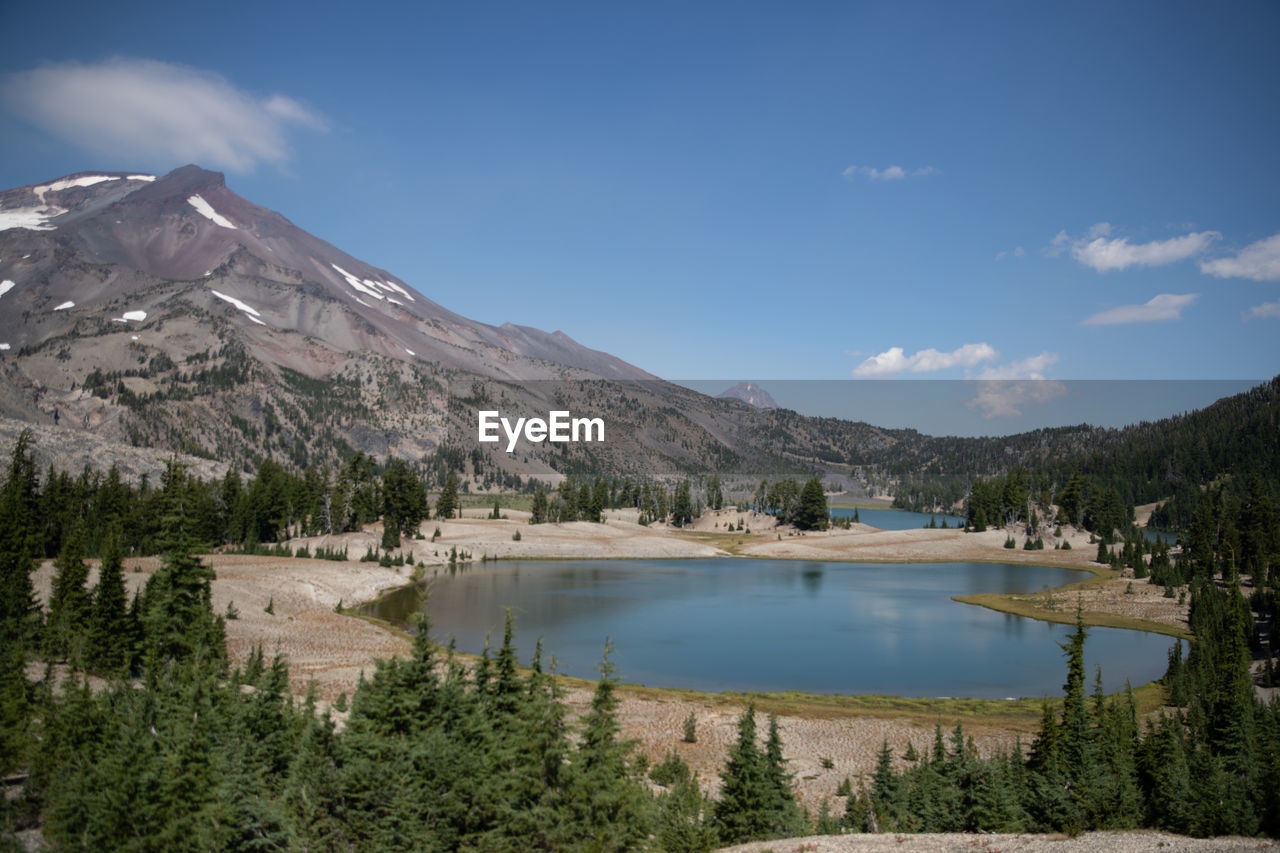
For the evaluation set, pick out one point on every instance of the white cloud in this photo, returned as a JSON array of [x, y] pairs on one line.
[[1016, 252], [1032, 367], [1098, 250], [1259, 261], [889, 173], [1104, 255], [894, 360], [1159, 309], [132, 108], [1006, 399], [1266, 309]]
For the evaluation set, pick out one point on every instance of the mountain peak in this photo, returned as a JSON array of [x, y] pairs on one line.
[[751, 394], [185, 181]]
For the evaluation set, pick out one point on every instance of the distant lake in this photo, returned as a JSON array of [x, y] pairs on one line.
[[896, 519], [745, 624]]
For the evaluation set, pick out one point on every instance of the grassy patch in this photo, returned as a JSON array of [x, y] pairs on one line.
[[726, 541], [1022, 605], [524, 503]]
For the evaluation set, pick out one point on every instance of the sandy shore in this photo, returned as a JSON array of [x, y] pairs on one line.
[[1137, 841]]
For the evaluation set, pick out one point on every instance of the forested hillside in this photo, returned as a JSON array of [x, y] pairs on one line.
[[178, 750], [1222, 445]]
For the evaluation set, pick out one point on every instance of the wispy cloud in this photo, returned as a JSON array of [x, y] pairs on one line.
[[1015, 252], [1259, 261], [889, 173], [1100, 251], [1159, 309], [138, 108], [1266, 309], [1032, 367], [895, 360], [1007, 399]]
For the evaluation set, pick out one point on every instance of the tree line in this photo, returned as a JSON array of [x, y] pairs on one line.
[[181, 750]]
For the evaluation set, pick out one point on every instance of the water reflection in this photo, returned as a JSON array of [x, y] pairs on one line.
[[773, 624]]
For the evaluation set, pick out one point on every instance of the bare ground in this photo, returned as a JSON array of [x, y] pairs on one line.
[[327, 651], [1120, 842]]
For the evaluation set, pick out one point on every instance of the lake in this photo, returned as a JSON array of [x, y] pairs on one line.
[[769, 625], [896, 519]]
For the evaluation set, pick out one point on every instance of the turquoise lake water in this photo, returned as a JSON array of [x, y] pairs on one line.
[[748, 624], [897, 519]]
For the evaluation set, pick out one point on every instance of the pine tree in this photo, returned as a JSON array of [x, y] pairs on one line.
[[109, 649], [1078, 755], [744, 811], [886, 790], [69, 603], [538, 514], [447, 503], [681, 505], [175, 608], [19, 613], [812, 512], [787, 817], [607, 803], [683, 821]]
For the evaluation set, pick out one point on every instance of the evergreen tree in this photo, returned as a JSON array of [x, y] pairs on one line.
[[681, 505], [715, 493], [786, 815], [609, 812], [19, 613], [538, 513], [684, 819], [175, 608], [811, 512], [748, 796], [111, 635], [447, 503], [69, 602]]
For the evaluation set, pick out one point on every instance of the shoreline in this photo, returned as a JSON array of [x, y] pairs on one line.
[[854, 704], [827, 737]]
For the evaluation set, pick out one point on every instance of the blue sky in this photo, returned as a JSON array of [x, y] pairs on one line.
[[741, 190]]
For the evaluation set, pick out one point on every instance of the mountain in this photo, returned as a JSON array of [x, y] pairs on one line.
[[145, 316], [749, 393], [168, 312], [96, 242]]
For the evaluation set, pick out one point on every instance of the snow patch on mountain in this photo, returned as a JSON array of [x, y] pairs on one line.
[[3, 347], [366, 287], [31, 218], [64, 306], [5, 286], [243, 306], [68, 183], [206, 210], [147, 178], [406, 294], [135, 316]]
